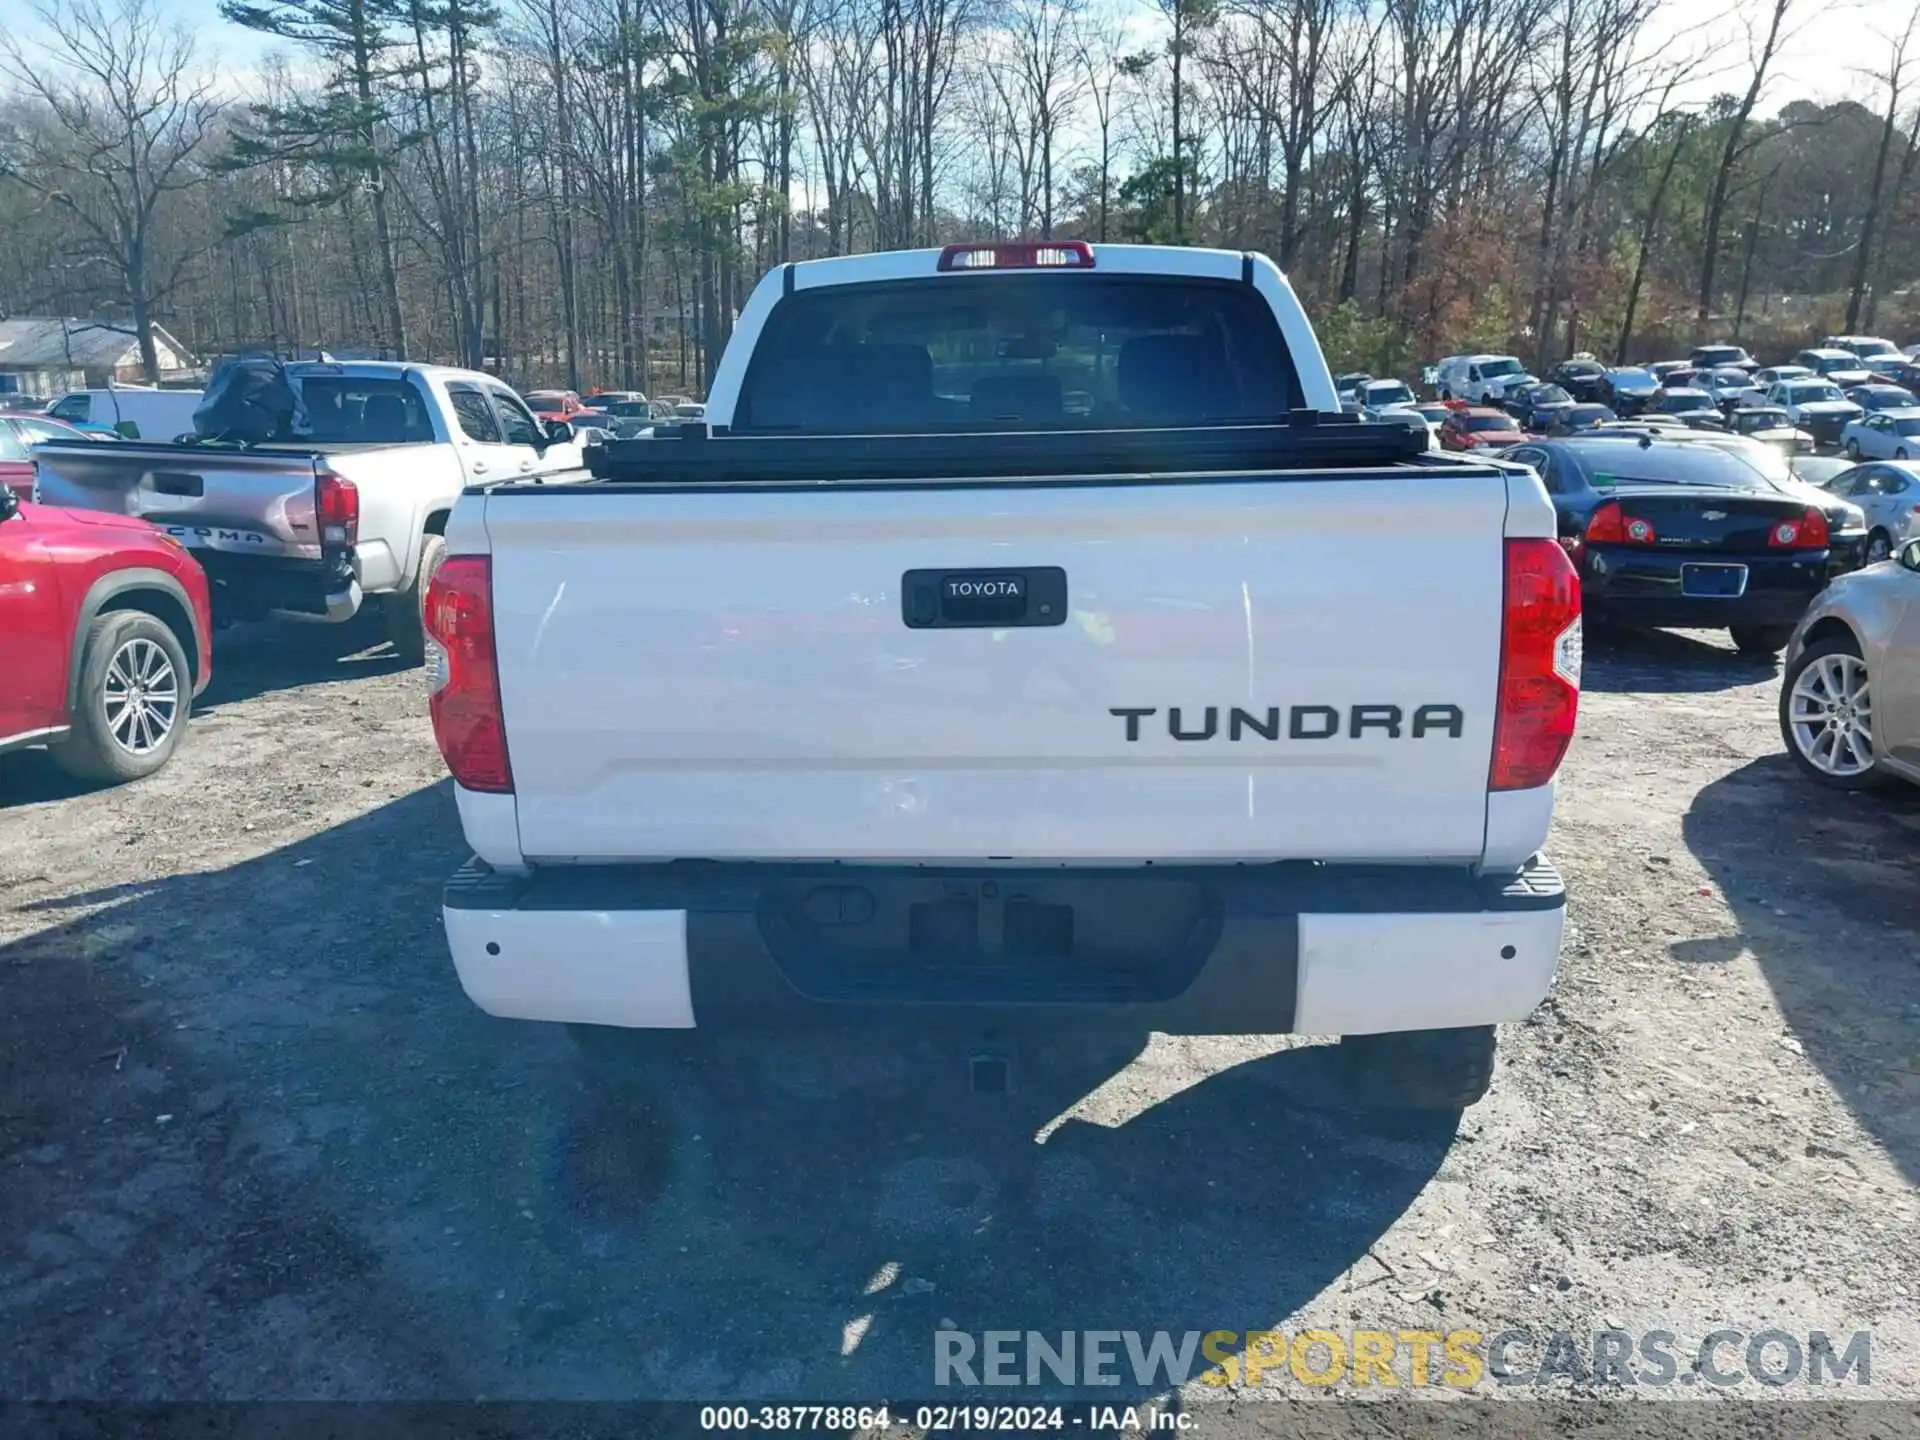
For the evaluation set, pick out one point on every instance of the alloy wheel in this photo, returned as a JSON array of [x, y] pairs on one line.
[[1830, 712], [141, 696]]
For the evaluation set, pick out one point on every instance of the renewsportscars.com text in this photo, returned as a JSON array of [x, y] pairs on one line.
[[1456, 1359]]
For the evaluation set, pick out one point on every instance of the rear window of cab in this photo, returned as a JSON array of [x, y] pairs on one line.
[[1023, 352]]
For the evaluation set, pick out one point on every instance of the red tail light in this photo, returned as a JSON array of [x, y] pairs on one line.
[[1021, 255], [336, 508], [1809, 532], [467, 724], [1539, 666], [1609, 525]]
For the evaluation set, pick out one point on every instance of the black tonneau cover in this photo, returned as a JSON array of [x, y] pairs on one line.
[[184, 450], [695, 455]]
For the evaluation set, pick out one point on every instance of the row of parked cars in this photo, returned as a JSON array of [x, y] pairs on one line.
[[1854, 392], [612, 414], [1692, 494]]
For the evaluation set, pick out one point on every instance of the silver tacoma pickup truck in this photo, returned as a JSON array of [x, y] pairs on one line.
[[357, 509]]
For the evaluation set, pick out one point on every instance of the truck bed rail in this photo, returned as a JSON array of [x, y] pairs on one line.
[[692, 455]]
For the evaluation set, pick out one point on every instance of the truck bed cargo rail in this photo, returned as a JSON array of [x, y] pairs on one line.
[[692, 455]]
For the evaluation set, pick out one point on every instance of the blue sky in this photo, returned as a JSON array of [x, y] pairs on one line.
[[232, 43]]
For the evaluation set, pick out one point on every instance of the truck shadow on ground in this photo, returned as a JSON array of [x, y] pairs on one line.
[[1667, 662], [1831, 918], [358, 1165], [279, 654], [28, 777]]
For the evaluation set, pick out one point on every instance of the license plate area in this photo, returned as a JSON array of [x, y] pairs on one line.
[[1713, 582], [987, 939]]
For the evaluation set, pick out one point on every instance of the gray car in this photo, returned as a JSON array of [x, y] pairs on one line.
[[1850, 696], [1888, 494]]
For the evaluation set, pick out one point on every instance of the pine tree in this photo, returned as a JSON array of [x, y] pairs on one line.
[[344, 140]]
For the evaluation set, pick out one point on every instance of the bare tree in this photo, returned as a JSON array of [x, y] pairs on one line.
[[1766, 47], [1358, 149], [1894, 78], [1896, 191], [1457, 64], [584, 193], [1045, 38], [343, 131], [562, 155], [1101, 48], [1682, 129], [119, 116], [1186, 20], [838, 78], [1300, 36]]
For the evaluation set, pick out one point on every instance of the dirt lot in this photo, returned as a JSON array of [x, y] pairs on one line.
[[254, 1141]]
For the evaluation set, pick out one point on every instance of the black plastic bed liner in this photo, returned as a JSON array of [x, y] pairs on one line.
[[693, 455]]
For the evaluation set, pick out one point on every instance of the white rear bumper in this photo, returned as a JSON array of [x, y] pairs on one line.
[[1366, 974], [619, 967], [1353, 972]]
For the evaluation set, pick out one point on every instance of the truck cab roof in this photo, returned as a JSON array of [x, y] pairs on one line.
[[386, 370]]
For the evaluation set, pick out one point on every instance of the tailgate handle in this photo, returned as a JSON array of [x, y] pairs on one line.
[[175, 482], [997, 599]]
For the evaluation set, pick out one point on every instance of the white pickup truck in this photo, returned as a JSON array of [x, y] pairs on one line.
[[1026, 633], [355, 509]]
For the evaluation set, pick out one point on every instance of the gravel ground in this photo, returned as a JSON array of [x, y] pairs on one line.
[[255, 1143]]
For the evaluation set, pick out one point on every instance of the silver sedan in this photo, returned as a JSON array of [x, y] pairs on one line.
[[1850, 696]]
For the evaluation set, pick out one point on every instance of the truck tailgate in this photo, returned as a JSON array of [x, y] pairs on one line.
[[1311, 665], [243, 502]]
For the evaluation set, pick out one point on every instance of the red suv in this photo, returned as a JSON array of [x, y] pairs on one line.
[[107, 630]]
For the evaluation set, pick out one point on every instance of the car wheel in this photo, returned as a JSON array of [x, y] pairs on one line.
[[1879, 547], [1853, 451], [1419, 1069], [1826, 714], [1901, 453], [131, 705], [406, 610], [1761, 639]]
